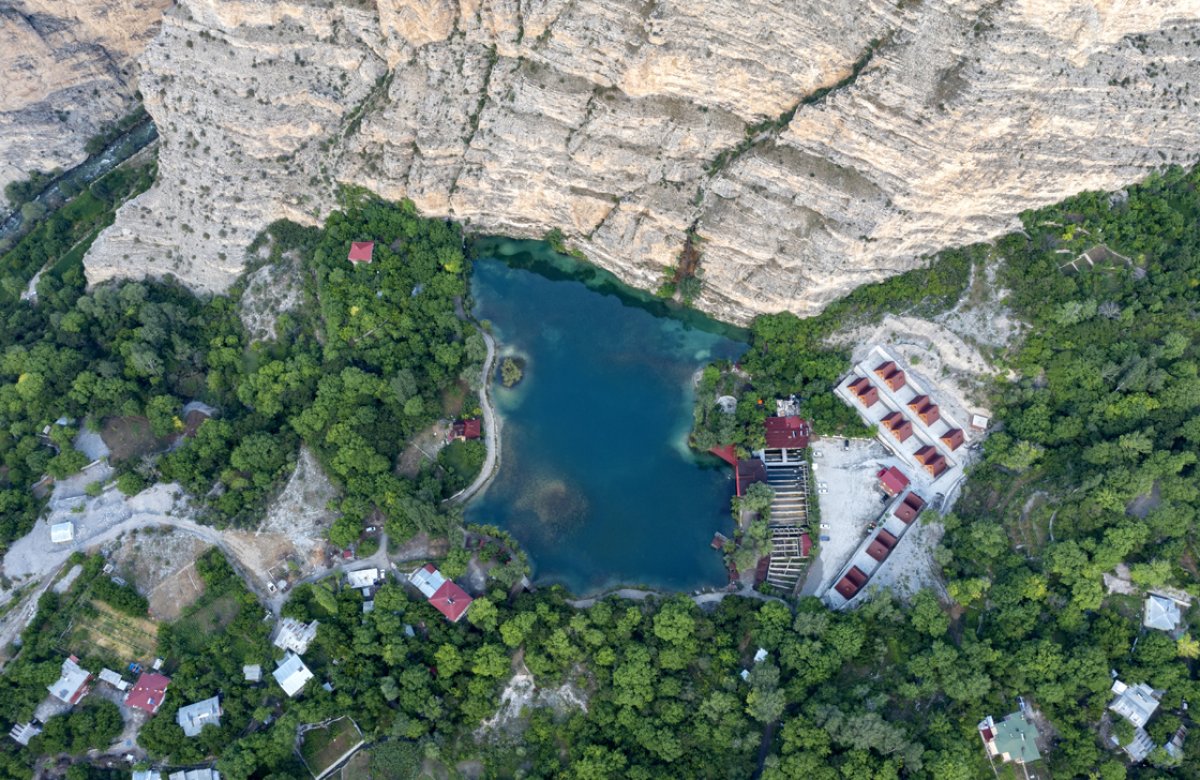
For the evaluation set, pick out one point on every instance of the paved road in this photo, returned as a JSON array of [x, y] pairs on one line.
[[491, 426], [637, 594]]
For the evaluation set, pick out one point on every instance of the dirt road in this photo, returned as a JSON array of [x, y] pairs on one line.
[[491, 426]]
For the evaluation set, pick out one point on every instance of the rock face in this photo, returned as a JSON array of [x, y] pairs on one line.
[[813, 146], [69, 68]]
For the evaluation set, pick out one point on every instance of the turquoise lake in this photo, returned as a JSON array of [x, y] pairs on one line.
[[596, 479]]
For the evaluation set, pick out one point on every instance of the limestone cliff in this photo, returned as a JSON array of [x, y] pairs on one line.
[[69, 68], [813, 145]]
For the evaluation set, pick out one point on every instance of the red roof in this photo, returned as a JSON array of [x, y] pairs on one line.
[[930, 414], [748, 472], [892, 480], [869, 397], [860, 385], [925, 454], [805, 545], [361, 251], [786, 433], [852, 583], [148, 692], [727, 453], [468, 429], [908, 509], [895, 380], [953, 438], [451, 600], [878, 550]]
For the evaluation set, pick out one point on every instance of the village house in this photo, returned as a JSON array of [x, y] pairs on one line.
[[195, 774], [195, 717], [849, 585], [148, 692], [1136, 704], [61, 533], [114, 679], [363, 579], [252, 673], [1162, 613], [147, 774], [361, 251], [1013, 739], [23, 732], [449, 599], [908, 509], [292, 674], [466, 430], [295, 636], [72, 684], [892, 481]]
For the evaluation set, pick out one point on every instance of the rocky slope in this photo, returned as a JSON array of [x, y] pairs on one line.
[[625, 123], [69, 68]]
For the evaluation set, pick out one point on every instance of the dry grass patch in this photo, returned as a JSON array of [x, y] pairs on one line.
[[109, 631]]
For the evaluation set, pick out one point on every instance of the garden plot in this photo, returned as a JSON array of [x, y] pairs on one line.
[[324, 747], [109, 631]]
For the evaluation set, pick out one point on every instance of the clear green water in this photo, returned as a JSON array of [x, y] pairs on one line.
[[596, 479]]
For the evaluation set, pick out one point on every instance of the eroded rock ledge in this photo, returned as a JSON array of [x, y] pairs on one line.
[[626, 123]]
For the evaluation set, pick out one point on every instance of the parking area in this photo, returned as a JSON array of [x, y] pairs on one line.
[[846, 491]]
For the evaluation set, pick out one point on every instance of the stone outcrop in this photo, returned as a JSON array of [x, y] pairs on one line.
[[813, 146], [69, 69]]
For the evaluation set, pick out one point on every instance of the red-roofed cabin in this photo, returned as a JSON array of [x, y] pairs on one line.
[[468, 429], [451, 600], [727, 453], [859, 386], [891, 374], [748, 472], [148, 692], [892, 480], [361, 251], [931, 459], [868, 395], [805, 545], [953, 438], [786, 433], [925, 408], [898, 425], [852, 583], [883, 369], [882, 545], [908, 509]]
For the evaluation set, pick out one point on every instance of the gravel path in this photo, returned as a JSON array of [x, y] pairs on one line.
[[491, 427]]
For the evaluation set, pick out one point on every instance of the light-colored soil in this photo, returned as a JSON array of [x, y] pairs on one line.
[[270, 291], [522, 692], [852, 501], [423, 448], [911, 566], [160, 562]]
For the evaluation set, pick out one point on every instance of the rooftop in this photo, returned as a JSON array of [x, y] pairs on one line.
[[194, 717], [1013, 739], [148, 692], [892, 480], [786, 433], [71, 685], [1162, 613], [292, 674], [1134, 703], [361, 251], [295, 636], [363, 578]]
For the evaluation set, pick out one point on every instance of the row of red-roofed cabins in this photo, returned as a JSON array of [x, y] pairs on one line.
[[865, 391], [899, 426], [852, 583]]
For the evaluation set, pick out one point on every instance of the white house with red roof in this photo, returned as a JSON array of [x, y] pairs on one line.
[[72, 685], [148, 692], [449, 599]]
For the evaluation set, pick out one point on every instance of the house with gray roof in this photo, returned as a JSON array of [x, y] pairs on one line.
[[1013, 739], [1162, 613], [195, 717]]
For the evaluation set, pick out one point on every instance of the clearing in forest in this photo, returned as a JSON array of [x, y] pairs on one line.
[[322, 748], [109, 631]]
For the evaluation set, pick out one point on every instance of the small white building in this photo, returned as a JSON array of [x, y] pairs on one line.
[[195, 774], [761, 655], [294, 636], [292, 674], [252, 673], [147, 774], [72, 685], [195, 717], [114, 679], [23, 732], [62, 533], [1162, 613], [363, 578]]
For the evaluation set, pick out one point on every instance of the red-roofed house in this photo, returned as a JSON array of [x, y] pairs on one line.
[[868, 394], [727, 453], [898, 425], [467, 429], [891, 375], [361, 251], [449, 599], [925, 408], [883, 369], [892, 480], [148, 692], [908, 509], [786, 433], [931, 459], [953, 438], [852, 583], [882, 545], [748, 472]]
